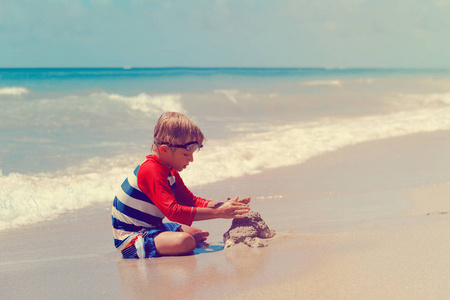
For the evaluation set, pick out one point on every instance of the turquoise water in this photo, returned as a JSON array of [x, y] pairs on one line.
[[158, 80]]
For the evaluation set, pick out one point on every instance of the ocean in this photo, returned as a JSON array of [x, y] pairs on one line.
[[69, 137]]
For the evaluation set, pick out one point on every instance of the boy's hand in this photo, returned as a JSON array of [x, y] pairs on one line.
[[234, 208], [245, 200]]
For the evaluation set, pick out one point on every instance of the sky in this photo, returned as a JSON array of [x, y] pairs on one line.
[[220, 33]]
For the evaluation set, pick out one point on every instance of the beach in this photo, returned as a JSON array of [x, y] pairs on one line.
[[368, 221], [336, 125]]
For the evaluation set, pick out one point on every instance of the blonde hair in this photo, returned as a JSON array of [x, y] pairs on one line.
[[176, 129]]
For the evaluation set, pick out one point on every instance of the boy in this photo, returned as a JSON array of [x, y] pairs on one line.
[[155, 190]]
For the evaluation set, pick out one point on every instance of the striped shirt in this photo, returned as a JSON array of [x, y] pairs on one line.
[[150, 193]]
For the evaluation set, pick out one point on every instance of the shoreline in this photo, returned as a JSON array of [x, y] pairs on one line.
[[351, 187], [368, 249]]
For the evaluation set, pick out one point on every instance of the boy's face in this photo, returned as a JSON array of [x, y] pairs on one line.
[[181, 159], [176, 158]]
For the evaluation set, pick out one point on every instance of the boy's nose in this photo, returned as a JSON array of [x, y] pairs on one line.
[[191, 157]]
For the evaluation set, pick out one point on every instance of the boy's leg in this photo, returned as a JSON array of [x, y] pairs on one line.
[[198, 234], [174, 243]]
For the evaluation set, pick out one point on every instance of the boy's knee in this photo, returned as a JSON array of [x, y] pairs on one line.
[[186, 243]]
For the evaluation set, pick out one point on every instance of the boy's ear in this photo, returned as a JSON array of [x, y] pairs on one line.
[[163, 148]]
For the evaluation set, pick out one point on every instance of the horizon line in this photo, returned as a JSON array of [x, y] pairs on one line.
[[255, 68]]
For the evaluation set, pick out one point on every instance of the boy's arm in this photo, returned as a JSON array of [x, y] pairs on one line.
[[217, 204], [152, 181], [185, 197], [183, 193], [226, 210]]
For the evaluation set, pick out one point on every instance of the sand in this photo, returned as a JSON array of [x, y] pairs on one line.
[[371, 221], [403, 261], [251, 230]]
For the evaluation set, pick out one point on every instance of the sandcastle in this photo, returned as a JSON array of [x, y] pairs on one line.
[[250, 230]]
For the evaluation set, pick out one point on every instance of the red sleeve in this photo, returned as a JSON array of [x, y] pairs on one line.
[[152, 181], [184, 196]]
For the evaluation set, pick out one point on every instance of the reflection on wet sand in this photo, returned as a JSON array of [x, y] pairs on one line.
[[210, 271]]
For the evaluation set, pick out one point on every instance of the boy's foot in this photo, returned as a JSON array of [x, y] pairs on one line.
[[200, 236]]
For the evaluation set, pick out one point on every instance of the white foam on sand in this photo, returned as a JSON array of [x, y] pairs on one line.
[[28, 198]]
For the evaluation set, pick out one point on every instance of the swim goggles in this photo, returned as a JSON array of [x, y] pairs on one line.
[[191, 146]]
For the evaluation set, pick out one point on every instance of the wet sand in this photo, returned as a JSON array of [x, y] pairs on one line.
[[370, 221]]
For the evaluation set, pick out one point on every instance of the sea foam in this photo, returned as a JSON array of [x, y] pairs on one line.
[[152, 105], [295, 143], [13, 91], [336, 83], [29, 198]]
